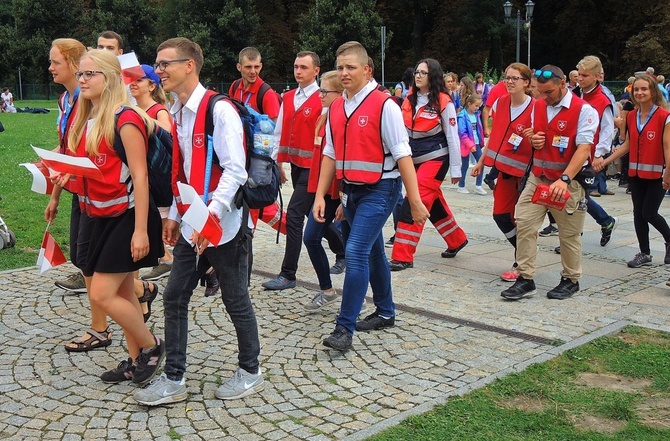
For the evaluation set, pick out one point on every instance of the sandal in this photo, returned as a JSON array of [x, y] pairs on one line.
[[148, 297], [94, 341]]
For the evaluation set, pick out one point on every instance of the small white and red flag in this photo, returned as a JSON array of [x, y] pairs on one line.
[[198, 216], [74, 165], [50, 254], [41, 182], [130, 67]]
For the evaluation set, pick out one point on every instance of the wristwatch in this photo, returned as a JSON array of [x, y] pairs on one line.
[[565, 178]]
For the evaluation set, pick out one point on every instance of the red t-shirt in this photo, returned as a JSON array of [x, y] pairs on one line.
[[270, 99]]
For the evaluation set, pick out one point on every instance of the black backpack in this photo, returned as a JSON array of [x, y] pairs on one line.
[[159, 163], [256, 197]]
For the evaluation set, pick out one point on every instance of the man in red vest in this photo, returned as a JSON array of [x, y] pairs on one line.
[[564, 127], [178, 64], [368, 148]]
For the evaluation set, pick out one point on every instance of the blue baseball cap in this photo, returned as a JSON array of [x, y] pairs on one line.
[[151, 74]]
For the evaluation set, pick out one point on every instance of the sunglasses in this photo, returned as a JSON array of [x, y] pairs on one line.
[[546, 74]]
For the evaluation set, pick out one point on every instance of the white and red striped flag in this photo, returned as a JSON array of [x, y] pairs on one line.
[[50, 254], [198, 216], [130, 67], [41, 182], [74, 165]]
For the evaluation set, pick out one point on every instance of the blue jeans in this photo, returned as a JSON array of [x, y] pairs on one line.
[[314, 232], [598, 213], [230, 263], [600, 182], [367, 209], [465, 163]]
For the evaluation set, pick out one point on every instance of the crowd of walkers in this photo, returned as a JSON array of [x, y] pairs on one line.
[[357, 153]]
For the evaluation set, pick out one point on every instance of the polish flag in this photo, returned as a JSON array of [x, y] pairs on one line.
[[50, 254], [41, 182], [198, 216], [74, 165], [130, 67]]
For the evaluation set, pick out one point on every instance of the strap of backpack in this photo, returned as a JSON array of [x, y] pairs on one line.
[[261, 94], [209, 133]]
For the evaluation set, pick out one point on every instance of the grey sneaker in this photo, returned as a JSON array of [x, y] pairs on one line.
[[161, 390], [158, 272], [639, 260], [240, 385], [74, 283], [320, 300]]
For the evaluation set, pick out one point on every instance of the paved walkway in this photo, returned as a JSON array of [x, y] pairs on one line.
[[453, 333]]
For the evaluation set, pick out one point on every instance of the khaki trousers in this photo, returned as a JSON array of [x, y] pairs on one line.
[[570, 221]]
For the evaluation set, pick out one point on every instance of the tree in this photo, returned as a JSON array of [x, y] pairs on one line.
[[328, 23]]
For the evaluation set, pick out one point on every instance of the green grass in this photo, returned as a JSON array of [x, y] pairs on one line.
[[483, 415], [20, 208]]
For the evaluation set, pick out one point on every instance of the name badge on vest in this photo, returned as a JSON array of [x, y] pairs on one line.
[[561, 142], [344, 198], [428, 114], [515, 140]]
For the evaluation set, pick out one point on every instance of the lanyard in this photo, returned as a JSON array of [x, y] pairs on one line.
[[67, 111]]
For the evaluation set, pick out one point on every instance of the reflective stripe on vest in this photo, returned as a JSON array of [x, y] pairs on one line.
[[646, 146]]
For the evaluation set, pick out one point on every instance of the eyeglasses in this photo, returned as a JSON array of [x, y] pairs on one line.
[[326, 91], [162, 65], [512, 79], [546, 74], [87, 74], [420, 73]]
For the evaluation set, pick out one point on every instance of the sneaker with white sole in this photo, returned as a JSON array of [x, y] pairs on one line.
[[161, 390], [480, 190], [511, 275], [158, 272], [74, 283], [148, 362], [240, 385], [549, 230], [320, 300], [462, 190], [639, 260]]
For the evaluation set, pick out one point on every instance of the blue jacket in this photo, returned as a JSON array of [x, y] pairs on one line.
[[465, 131]]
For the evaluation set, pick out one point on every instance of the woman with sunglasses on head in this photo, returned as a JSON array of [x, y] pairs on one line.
[[315, 231], [125, 231], [648, 145], [509, 150], [430, 120]]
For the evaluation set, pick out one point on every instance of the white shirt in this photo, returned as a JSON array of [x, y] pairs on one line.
[[450, 131], [587, 123], [229, 148], [604, 145], [301, 96], [514, 112], [7, 98], [394, 136]]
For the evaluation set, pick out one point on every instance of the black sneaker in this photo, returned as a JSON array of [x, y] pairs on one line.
[[522, 287], [549, 230], [211, 284], [389, 243], [452, 253], [148, 362], [339, 266], [606, 232], [564, 290], [123, 372], [340, 339], [374, 321], [557, 250], [396, 265]]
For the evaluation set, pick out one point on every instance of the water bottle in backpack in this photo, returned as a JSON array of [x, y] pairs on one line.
[[260, 164]]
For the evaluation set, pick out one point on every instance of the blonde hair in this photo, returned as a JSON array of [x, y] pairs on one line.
[[71, 50], [331, 77], [113, 96], [353, 48], [591, 63]]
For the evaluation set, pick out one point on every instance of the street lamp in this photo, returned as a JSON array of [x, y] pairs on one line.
[[530, 6]]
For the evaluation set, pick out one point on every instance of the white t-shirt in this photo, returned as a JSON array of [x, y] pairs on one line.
[[7, 98]]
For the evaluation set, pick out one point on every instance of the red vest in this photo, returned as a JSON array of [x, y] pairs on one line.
[[315, 167], [112, 197], [198, 158], [505, 156], [552, 161], [599, 101], [646, 147], [297, 131], [357, 139], [426, 135]]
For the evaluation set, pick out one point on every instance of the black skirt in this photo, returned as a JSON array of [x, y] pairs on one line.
[[108, 243]]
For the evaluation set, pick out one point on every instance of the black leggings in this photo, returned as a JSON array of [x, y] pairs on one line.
[[647, 195]]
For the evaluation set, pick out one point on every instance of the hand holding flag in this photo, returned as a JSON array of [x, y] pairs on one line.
[[198, 216]]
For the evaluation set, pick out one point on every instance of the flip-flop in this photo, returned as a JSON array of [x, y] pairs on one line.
[[95, 341]]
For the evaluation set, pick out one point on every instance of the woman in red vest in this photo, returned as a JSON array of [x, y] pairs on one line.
[[124, 233], [648, 142], [430, 120], [509, 151]]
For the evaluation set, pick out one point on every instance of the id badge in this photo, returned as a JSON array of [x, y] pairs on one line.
[[560, 141], [515, 140], [344, 199]]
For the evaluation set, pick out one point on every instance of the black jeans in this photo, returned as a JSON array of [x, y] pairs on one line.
[[647, 195], [230, 263]]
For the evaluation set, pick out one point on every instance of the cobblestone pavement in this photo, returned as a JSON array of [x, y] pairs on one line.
[[453, 333]]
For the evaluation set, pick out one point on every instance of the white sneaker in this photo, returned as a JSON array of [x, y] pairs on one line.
[[161, 390], [240, 385], [462, 190], [320, 300], [480, 190]]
